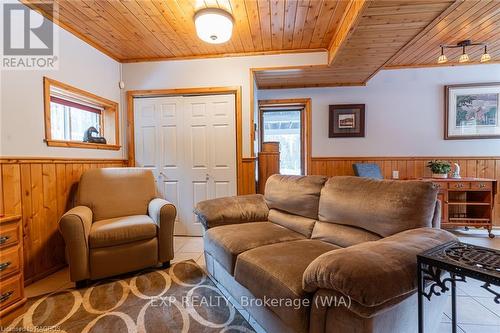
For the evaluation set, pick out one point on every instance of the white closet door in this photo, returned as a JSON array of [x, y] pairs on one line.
[[190, 144], [159, 145], [210, 150]]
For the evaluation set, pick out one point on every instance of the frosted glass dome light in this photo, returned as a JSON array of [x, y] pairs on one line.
[[213, 25]]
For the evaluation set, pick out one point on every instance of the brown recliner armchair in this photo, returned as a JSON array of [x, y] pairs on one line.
[[118, 225]]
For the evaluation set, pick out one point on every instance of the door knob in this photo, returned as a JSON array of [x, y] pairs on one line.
[[207, 177]]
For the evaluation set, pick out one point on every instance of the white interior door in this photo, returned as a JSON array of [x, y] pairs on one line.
[[190, 144], [210, 150]]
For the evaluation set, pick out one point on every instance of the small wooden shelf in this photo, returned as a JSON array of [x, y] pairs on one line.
[[471, 200], [79, 144]]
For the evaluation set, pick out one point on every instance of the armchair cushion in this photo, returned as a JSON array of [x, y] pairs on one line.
[[115, 192], [121, 230], [376, 272], [231, 210]]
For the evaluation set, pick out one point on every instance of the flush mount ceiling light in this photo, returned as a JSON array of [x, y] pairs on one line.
[[464, 57], [213, 25]]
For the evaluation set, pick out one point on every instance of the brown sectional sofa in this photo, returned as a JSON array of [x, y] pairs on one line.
[[310, 240]]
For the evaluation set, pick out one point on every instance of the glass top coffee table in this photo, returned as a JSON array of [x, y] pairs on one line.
[[461, 261]]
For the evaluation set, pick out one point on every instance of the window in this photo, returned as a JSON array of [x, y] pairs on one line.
[[285, 127], [69, 120], [71, 112]]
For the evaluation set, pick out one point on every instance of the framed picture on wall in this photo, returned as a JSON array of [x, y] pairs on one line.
[[471, 111], [346, 121]]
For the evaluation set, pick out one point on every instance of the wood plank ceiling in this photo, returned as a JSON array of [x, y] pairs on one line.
[[399, 34], [361, 36], [475, 20], [135, 30], [383, 29]]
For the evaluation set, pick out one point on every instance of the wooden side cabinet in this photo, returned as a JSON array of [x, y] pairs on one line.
[[11, 267], [466, 202]]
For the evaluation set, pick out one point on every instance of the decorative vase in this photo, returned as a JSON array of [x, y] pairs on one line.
[[440, 175]]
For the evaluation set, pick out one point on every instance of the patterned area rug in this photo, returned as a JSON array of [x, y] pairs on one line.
[[180, 299]]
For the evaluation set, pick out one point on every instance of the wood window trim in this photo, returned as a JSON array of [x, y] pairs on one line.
[[306, 123], [235, 90], [107, 104]]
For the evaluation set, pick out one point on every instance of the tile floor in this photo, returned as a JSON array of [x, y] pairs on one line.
[[477, 313]]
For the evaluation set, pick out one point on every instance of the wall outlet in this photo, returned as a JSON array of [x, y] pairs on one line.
[[395, 174]]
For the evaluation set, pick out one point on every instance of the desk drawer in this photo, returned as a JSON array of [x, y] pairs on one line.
[[481, 186], [459, 186], [440, 185], [10, 291], [9, 234], [10, 261]]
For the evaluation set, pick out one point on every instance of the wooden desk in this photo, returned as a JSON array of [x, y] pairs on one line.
[[11, 267], [466, 202]]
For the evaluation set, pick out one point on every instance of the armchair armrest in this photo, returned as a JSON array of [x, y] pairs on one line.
[[232, 210], [75, 229], [374, 273], [164, 213]]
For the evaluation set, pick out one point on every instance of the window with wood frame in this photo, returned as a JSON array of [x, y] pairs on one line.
[[79, 119]]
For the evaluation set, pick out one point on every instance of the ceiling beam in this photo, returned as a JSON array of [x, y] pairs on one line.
[[346, 28]]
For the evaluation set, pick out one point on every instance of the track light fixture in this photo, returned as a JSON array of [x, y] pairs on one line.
[[464, 57]]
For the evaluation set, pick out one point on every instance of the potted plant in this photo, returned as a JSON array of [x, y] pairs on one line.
[[440, 169]]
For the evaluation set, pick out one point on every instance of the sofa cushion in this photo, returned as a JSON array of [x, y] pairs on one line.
[[297, 195], [121, 230], [342, 235], [300, 224], [115, 192], [225, 243], [275, 272], [384, 207]]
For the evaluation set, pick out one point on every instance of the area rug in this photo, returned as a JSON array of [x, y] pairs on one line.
[[180, 299]]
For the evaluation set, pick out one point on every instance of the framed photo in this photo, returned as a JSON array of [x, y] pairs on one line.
[[471, 111], [346, 121]]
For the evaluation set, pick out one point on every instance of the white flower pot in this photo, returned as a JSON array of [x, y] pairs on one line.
[[440, 175]]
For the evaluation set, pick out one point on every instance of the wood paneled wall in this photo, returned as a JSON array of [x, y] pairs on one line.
[[41, 190], [412, 168], [247, 182]]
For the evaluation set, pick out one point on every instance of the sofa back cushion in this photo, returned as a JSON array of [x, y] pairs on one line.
[[342, 235], [300, 224], [115, 192], [297, 195], [384, 207]]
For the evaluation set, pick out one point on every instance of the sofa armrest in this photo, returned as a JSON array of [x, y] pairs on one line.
[[164, 213], [75, 228], [374, 273], [232, 210]]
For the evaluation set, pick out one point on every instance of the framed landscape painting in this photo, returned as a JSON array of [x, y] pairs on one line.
[[347, 120], [471, 111]]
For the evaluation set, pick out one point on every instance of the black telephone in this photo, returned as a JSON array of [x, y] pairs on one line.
[[88, 137]]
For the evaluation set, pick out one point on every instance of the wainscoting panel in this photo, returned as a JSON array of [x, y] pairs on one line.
[[247, 178], [41, 190], [412, 168]]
